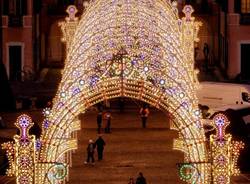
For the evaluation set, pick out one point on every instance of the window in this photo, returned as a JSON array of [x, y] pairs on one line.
[[65, 2], [245, 6], [15, 7]]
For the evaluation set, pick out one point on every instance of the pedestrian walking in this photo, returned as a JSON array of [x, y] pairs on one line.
[[90, 152], [99, 122], [141, 179], [108, 122], [131, 181], [206, 55], [100, 143], [144, 112]]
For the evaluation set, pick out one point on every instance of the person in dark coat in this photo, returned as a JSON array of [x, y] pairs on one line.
[[90, 152], [144, 112], [100, 143], [108, 122], [206, 55], [99, 122], [140, 179]]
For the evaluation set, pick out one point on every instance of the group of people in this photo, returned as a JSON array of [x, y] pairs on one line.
[[99, 145], [106, 116], [140, 179], [144, 112]]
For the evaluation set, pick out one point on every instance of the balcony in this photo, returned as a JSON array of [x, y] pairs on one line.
[[15, 21], [245, 19]]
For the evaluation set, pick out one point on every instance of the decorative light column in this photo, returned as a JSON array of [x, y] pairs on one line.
[[21, 154], [69, 26], [224, 152], [190, 29]]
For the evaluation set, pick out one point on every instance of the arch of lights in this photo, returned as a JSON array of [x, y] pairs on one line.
[[133, 48]]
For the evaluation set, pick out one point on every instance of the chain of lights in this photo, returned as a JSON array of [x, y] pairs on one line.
[[138, 49], [237, 147], [224, 152], [188, 173], [57, 173], [50, 173], [179, 144], [9, 147]]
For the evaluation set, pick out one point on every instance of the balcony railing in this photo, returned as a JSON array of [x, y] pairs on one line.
[[15, 21]]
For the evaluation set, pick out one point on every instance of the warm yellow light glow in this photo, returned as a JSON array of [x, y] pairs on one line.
[[138, 49], [224, 152]]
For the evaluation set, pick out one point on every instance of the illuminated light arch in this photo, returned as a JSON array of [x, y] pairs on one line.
[[134, 48]]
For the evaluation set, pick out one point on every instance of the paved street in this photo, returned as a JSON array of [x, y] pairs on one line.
[[129, 150]]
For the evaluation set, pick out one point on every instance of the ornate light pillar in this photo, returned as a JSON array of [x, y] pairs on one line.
[[224, 152], [69, 26], [190, 29], [21, 153]]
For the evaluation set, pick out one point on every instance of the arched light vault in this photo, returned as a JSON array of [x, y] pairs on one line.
[[133, 48]]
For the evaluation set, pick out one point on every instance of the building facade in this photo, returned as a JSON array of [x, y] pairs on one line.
[[31, 37], [235, 39], [18, 37]]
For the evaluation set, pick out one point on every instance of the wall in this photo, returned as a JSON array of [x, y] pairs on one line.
[[237, 34], [20, 35]]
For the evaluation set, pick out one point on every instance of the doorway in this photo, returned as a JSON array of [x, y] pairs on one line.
[[245, 61], [15, 63]]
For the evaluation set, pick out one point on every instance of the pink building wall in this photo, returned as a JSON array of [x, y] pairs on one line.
[[237, 34], [19, 36]]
